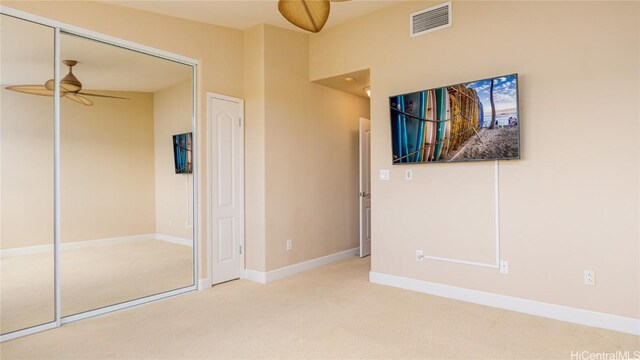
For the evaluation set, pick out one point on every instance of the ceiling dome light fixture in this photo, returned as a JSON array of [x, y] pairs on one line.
[[367, 90]]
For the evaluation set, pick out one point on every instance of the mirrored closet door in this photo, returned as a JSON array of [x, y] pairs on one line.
[[126, 208], [125, 193], [27, 291]]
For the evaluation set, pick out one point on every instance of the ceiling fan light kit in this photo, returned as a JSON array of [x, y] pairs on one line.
[[310, 15], [70, 88], [70, 82]]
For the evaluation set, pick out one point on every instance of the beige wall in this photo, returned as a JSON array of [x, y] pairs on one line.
[[571, 203], [311, 156], [219, 51], [107, 169], [301, 155], [254, 93], [173, 192], [26, 160]]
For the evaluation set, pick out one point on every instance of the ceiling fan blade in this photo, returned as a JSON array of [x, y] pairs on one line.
[[78, 98], [31, 89], [310, 15], [103, 96]]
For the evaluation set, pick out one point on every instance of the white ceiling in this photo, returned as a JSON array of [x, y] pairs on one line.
[[243, 14], [352, 83], [107, 67]]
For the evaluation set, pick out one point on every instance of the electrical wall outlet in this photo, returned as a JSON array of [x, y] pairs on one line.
[[289, 245], [589, 277], [504, 267], [408, 175], [384, 175], [419, 255]]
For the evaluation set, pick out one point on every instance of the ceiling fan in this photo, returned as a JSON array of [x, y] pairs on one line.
[[70, 88], [310, 15]]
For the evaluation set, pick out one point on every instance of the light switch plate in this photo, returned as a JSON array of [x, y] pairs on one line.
[[384, 175], [408, 175]]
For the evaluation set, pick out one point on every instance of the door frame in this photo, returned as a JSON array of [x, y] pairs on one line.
[[362, 199], [208, 282]]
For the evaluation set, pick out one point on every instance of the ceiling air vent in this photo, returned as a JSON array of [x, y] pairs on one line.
[[431, 19]]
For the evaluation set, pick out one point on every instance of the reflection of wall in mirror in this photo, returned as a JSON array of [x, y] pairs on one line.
[[173, 194], [26, 158], [107, 169]]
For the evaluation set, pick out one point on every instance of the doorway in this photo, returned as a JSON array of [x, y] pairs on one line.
[[226, 187], [365, 186]]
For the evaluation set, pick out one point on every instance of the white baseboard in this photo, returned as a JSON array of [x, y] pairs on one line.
[[273, 275], [40, 249], [204, 284], [552, 311], [253, 275], [174, 239]]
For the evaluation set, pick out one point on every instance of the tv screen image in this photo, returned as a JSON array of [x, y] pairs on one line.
[[182, 145], [473, 121]]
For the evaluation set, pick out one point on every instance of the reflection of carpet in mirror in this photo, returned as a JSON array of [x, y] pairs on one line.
[[92, 278], [26, 291]]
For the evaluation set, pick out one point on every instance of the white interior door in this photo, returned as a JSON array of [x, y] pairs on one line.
[[226, 179], [365, 187]]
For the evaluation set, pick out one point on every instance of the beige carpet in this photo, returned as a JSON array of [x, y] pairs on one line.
[[92, 278], [332, 312]]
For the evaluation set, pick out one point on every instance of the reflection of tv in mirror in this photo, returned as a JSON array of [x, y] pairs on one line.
[[472, 121], [182, 153]]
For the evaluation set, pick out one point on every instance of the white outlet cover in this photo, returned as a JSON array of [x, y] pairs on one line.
[[589, 277], [408, 175], [384, 175], [419, 255], [504, 266]]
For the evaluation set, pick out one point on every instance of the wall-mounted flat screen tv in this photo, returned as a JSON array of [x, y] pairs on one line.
[[182, 146], [472, 121]]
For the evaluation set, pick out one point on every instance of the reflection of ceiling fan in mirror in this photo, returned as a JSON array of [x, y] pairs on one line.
[[70, 88], [310, 15]]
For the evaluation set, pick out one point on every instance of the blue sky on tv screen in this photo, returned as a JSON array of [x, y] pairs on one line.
[[504, 94]]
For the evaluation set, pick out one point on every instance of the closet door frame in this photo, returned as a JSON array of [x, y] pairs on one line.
[[62, 28]]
